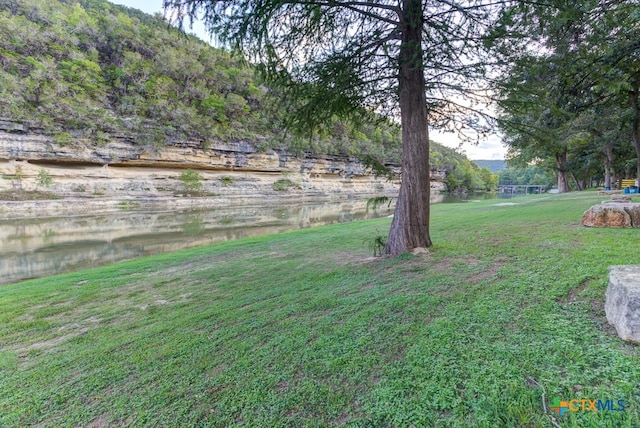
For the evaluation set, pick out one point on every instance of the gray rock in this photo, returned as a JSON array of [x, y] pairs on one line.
[[9, 126], [622, 305]]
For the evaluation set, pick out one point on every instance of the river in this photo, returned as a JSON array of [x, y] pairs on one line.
[[38, 247]]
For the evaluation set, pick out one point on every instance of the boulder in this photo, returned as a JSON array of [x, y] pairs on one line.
[[622, 305], [634, 215], [619, 198], [612, 214]]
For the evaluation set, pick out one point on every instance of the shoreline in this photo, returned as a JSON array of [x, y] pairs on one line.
[[74, 206], [41, 246]]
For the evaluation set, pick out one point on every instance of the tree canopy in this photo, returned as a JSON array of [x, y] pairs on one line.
[[570, 97]]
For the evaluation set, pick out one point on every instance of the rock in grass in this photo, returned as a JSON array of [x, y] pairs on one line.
[[622, 305], [612, 214], [419, 250], [619, 198]]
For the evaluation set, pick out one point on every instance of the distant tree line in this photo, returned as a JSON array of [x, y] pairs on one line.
[[531, 175]]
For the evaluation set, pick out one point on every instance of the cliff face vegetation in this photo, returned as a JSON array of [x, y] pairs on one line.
[[89, 73]]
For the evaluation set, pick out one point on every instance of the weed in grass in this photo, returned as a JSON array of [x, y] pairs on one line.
[[377, 244]]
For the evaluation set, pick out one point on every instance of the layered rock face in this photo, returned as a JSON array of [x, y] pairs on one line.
[[619, 212], [235, 170]]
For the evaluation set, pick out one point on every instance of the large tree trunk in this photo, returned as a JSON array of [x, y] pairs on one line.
[[608, 166], [636, 127], [580, 183], [561, 166], [410, 225]]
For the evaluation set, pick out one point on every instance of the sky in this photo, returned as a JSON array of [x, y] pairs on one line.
[[488, 148]]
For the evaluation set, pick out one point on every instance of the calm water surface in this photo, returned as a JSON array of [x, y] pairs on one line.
[[33, 248]]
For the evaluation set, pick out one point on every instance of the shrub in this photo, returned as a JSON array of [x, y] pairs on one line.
[[16, 178], [191, 181], [63, 139], [44, 179], [101, 137], [226, 180], [285, 183], [282, 185]]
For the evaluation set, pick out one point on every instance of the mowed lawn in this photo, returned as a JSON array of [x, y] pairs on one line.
[[306, 328]]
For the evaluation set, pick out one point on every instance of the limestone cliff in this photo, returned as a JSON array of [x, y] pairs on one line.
[[236, 172]]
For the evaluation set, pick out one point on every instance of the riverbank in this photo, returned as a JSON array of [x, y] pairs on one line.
[[306, 328], [72, 206]]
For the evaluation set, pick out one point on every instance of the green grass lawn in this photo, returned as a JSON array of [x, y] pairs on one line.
[[305, 328]]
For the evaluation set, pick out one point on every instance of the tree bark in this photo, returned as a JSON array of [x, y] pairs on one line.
[[580, 184], [410, 225], [561, 166], [636, 127], [608, 166]]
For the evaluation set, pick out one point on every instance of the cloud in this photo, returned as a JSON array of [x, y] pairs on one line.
[[488, 148]]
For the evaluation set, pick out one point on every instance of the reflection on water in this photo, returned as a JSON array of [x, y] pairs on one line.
[[32, 248], [470, 197]]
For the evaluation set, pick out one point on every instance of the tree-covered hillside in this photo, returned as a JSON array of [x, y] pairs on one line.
[[100, 69], [462, 174], [494, 165], [96, 70], [104, 69]]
